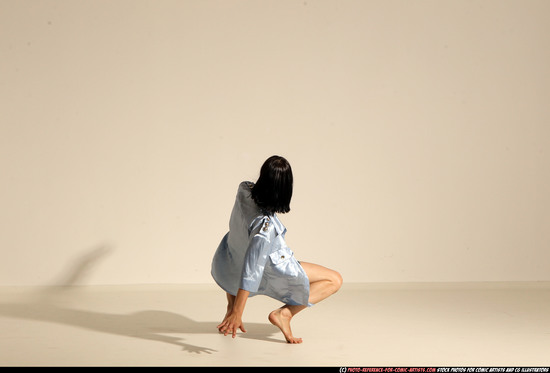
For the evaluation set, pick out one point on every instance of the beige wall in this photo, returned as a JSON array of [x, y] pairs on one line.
[[418, 132]]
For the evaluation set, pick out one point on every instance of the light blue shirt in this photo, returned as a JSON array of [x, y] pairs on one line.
[[254, 256]]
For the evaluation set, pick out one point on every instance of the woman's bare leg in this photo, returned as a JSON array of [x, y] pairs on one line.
[[230, 302], [323, 282]]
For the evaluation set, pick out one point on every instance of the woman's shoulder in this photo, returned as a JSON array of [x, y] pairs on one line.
[[247, 185], [244, 198], [245, 189]]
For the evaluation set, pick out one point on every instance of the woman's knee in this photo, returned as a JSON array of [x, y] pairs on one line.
[[316, 273], [337, 280]]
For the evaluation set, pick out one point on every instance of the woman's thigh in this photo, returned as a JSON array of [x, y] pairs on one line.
[[316, 272]]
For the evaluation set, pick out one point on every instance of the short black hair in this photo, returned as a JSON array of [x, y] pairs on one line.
[[273, 190]]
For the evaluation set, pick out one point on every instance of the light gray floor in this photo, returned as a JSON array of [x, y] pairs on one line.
[[459, 324]]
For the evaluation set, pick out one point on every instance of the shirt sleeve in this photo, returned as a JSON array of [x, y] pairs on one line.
[[256, 256]]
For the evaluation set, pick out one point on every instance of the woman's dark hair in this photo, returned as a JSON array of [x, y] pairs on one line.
[[273, 190]]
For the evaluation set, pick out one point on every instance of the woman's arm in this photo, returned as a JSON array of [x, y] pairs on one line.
[[251, 276], [234, 320]]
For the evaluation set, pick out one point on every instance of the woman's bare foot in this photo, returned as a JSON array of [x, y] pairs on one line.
[[281, 319]]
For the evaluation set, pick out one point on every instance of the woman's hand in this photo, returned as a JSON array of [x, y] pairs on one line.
[[231, 323], [233, 320]]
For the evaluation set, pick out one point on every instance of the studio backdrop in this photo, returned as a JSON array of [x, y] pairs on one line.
[[418, 133]]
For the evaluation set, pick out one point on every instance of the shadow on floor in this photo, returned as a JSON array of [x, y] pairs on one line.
[[152, 325]]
